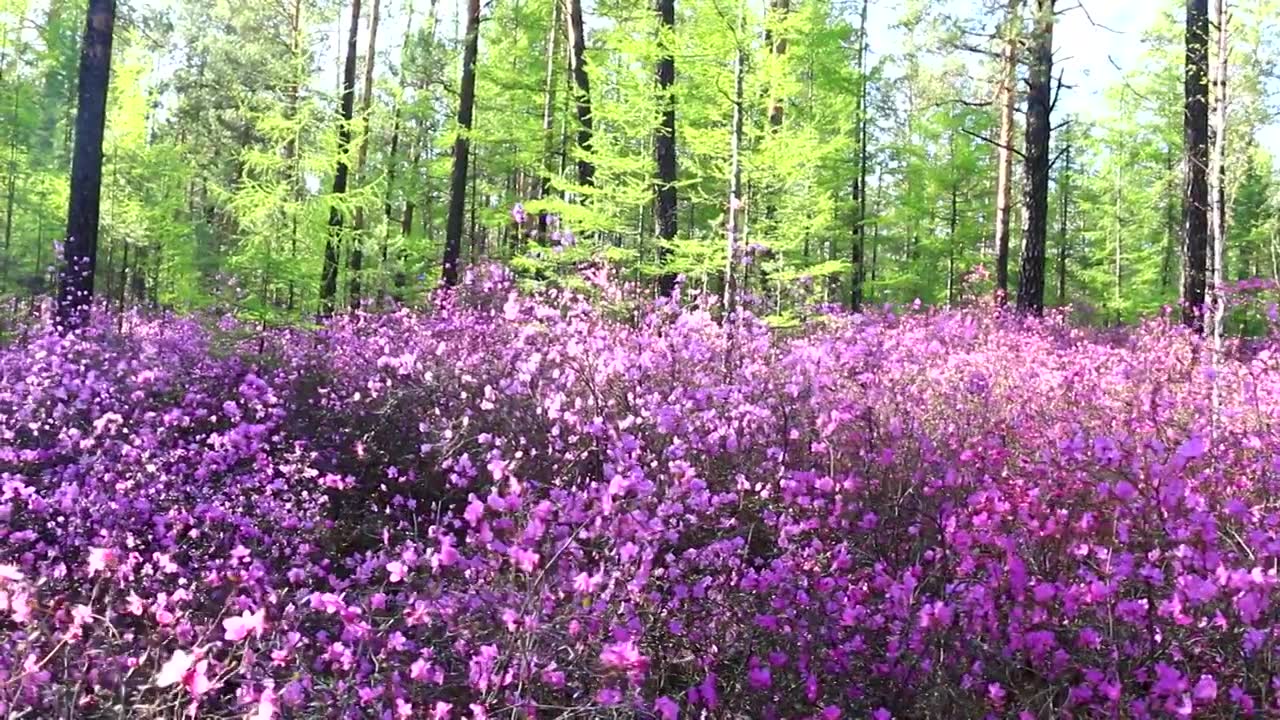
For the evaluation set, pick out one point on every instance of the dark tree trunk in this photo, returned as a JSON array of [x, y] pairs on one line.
[[1004, 151], [387, 207], [462, 148], [858, 246], [582, 93], [75, 282], [356, 260], [1036, 195], [329, 277], [1195, 197], [664, 146]]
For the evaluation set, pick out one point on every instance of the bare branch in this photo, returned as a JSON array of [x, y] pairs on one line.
[[996, 143], [1080, 6]]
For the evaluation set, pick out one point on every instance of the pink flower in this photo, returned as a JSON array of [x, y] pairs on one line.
[[447, 555], [174, 669], [667, 708], [10, 573], [524, 559], [267, 705], [238, 628], [441, 711], [398, 570], [474, 511], [585, 584], [1206, 689], [624, 656], [197, 681], [99, 558]]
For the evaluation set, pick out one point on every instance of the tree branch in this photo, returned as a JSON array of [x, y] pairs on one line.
[[996, 143], [1080, 6]]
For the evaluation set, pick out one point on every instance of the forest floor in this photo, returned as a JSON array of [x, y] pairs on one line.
[[512, 506]]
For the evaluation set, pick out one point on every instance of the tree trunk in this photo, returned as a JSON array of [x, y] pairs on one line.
[[858, 246], [1217, 175], [664, 147], [356, 260], [1006, 96], [291, 147], [387, 208], [735, 215], [11, 194], [1195, 198], [332, 245], [1119, 247], [1063, 236], [548, 117], [462, 148], [1171, 225], [75, 286], [582, 95], [951, 230], [1036, 196]]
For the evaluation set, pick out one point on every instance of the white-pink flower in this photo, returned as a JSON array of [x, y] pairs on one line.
[[267, 706], [238, 628], [175, 668], [99, 558], [10, 572], [398, 571]]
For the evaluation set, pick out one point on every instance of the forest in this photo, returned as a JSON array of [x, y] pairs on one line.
[[639, 359], [287, 159]]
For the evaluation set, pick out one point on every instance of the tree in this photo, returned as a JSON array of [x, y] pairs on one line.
[[332, 247], [1217, 173], [1006, 98], [1195, 198], [736, 214], [582, 93], [356, 260], [1036, 193], [858, 246], [462, 147], [75, 287], [664, 143]]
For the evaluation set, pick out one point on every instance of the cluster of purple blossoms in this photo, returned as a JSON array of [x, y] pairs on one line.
[[514, 506]]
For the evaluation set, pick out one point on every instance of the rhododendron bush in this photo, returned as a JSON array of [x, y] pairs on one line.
[[510, 506]]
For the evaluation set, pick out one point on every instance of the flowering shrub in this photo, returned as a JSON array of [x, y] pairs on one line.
[[518, 507]]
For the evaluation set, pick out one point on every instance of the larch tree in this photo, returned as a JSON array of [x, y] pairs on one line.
[[333, 241], [858, 247], [664, 143], [1195, 197], [462, 147], [75, 281], [1006, 100], [1217, 172], [582, 92], [356, 259], [1037, 161], [736, 209]]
